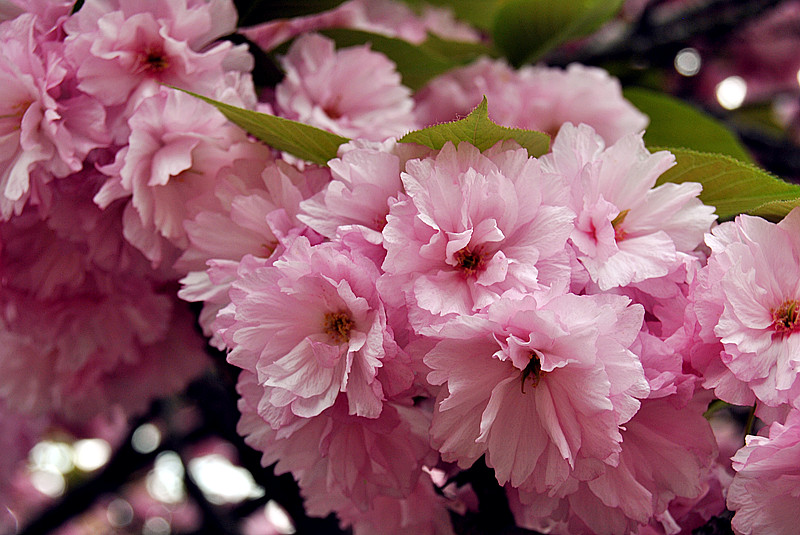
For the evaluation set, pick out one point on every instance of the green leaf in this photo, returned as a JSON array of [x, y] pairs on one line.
[[416, 63], [776, 210], [674, 123], [252, 12], [301, 140], [480, 131], [479, 13], [733, 186], [526, 29]]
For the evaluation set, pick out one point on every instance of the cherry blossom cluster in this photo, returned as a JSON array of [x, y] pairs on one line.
[[401, 312]]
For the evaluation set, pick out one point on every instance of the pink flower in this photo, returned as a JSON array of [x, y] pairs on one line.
[[627, 230], [666, 453], [256, 216], [48, 12], [537, 98], [340, 460], [765, 494], [472, 226], [177, 146], [385, 17], [751, 303], [353, 92], [423, 512], [542, 387], [123, 50], [107, 322], [311, 325], [364, 179], [44, 130]]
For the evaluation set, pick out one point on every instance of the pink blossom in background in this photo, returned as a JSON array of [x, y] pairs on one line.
[[256, 204], [75, 219], [534, 97], [423, 512], [102, 327], [750, 301], [762, 52], [627, 229], [20, 433], [384, 17], [59, 366], [471, 226], [542, 388], [764, 493], [354, 92]]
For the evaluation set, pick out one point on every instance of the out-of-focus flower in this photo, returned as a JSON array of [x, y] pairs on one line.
[[354, 92], [384, 17], [537, 98]]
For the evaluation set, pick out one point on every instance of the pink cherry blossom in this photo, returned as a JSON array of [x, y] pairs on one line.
[[750, 302], [20, 433], [354, 92], [542, 388], [45, 131], [177, 146], [107, 320], [537, 98], [471, 226], [365, 176], [48, 12], [255, 216], [384, 17], [340, 460], [124, 50], [666, 453], [764, 493], [627, 230], [312, 325], [423, 512]]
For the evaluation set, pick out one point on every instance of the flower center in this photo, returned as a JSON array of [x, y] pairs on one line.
[[155, 60], [338, 326], [785, 317], [332, 110], [532, 372], [469, 261], [619, 234]]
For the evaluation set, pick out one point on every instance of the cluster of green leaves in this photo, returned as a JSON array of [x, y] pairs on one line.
[[706, 151], [733, 185], [319, 146]]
